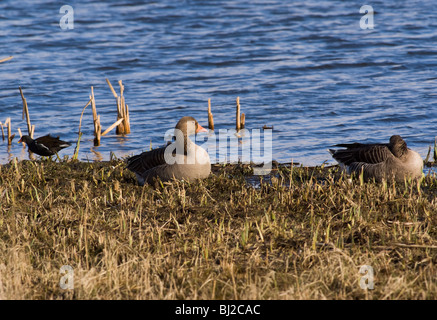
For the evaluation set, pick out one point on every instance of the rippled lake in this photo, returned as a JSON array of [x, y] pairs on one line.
[[307, 68]]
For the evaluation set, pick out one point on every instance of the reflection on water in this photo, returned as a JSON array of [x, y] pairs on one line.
[[97, 155], [21, 154]]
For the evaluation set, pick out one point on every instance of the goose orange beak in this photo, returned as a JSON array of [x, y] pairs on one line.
[[201, 129]]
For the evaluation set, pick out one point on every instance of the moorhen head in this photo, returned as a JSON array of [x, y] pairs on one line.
[[44, 146]]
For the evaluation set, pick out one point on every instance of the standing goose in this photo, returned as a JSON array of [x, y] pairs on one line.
[[182, 159], [44, 146], [380, 161]]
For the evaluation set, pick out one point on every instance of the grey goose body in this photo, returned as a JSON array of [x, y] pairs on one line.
[[380, 161], [181, 160]]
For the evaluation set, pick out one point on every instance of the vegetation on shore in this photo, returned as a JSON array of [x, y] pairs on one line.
[[300, 233]]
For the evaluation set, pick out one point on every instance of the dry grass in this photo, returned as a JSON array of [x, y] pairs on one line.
[[304, 238]]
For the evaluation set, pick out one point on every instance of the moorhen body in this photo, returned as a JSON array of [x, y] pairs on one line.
[[45, 146]]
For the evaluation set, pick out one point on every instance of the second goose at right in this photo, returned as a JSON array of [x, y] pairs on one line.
[[380, 161]]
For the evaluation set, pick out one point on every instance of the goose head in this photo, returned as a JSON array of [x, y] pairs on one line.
[[188, 126], [398, 146]]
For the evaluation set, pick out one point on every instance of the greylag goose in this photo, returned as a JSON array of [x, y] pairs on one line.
[[380, 161], [182, 159], [44, 146]]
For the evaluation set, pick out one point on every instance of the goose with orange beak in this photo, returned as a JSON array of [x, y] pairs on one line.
[[181, 160]]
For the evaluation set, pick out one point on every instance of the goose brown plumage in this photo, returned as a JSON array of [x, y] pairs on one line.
[[380, 160]]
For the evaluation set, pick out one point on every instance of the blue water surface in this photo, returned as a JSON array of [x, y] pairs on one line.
[[306, 68]]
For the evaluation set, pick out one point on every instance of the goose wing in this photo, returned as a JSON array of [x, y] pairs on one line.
[[146, 160], [365, 153]]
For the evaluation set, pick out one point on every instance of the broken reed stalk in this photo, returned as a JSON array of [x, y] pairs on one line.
[[96, 120], [10, 135], [120, 128], [238, 124], [26, 113], [3, 132], [435, 149], [210, 117], [123, 126], [242, 120], [116, 123], [6, 59], [126, 119], [112, 88], [19, 131]]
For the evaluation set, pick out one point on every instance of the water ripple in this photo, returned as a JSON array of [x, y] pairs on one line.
[[305, 68]]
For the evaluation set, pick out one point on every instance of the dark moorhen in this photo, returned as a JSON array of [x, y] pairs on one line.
[[45, 146]]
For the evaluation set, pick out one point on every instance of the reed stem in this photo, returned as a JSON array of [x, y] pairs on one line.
[[76, 150], [242, 121], [3, 132], [19, 131], [6, 59], [26, 113], [10, 135], [210, 117], [123, 126], [96, 120]]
